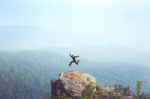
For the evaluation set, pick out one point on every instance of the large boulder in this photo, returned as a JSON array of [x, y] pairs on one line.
[[72, 83]]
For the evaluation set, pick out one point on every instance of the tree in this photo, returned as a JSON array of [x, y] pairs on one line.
[[127, 91], [138, 88], [90, 91], [123, 90]]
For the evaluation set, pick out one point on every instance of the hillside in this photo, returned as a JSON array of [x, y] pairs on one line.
[[27, 74]]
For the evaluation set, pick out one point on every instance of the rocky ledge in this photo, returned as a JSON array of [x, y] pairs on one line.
[[72, 83]]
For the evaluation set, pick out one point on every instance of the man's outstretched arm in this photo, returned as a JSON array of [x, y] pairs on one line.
[[71, 55]]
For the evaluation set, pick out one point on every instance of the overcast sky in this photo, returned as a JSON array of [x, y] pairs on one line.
[[119, 22]]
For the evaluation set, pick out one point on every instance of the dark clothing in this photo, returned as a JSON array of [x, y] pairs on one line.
[[74, 60]]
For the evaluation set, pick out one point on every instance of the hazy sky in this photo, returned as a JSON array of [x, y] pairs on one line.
[[119, 22]]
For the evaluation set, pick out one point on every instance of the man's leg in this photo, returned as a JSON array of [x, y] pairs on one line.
[[78, 62], [71, 63]]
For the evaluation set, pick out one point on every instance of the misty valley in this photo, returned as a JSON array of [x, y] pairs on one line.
[[27, 74]]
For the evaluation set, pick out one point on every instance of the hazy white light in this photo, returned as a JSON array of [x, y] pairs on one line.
[[73, 2], [88, 2]]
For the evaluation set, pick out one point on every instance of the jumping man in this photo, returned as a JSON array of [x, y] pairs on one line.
[[74, 60]]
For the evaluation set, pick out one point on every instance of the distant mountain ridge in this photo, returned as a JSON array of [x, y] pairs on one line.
[[17, 37], [98, 53], [22, 37]]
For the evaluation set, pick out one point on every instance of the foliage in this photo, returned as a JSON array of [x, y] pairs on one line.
[[84, 97], [26, 75], [138, 88], [123, 90], [90, 91], [99, 87]]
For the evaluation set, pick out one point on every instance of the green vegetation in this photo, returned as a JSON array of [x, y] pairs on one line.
[[122, 90], [99, 87], [138, 88], [27, 74], [90, 91]]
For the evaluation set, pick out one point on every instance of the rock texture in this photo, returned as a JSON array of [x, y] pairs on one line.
[[72, 83]]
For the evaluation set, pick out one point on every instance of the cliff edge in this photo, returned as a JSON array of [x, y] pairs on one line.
[[72, 83]]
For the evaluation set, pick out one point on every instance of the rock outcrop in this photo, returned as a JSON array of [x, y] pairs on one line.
[[79, 85], [72, 83]]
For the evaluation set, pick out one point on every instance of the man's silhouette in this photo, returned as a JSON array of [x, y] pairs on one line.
[[74, 60]]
